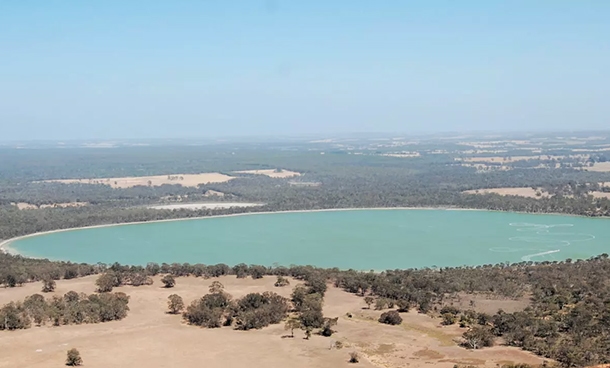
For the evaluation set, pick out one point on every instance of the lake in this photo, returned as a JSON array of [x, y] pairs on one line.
[[359, 239]]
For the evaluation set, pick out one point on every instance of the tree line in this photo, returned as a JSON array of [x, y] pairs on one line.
[[72, 308]]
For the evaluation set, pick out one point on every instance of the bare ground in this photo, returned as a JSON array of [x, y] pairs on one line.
[[149, 337]]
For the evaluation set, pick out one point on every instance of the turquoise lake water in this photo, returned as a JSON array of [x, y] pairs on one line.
[[359, 239]]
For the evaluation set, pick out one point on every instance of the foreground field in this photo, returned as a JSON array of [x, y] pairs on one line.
[[149, 337]]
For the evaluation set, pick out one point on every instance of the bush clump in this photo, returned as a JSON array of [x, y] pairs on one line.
[[391, 318]]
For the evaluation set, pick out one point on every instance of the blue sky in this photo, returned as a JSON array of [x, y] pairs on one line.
[[150, 69]]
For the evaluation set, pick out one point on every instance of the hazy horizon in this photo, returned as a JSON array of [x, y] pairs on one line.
[[165, 70]]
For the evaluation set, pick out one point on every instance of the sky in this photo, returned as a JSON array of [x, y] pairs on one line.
[[178, 69]]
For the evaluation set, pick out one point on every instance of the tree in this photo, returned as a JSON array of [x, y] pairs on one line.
[[175, 304], [48, 285], [369, 300], [168, 281], [478, 337], [390, 318], [292, 324], [74, 358]]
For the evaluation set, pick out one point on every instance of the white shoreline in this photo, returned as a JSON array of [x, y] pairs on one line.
[[5, 244]]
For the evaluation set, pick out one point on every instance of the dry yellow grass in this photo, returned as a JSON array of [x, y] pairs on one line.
[[271, 173], [599, 167], [508, 159], [186, 180], [29, 206], [522, 192], [149, 337]]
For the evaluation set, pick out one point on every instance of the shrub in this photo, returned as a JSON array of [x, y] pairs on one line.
[[448, 319], [381, 304], [74, 358], [327, 328], [281, 281], [403, 305], [449, 309], [168, 281], [353, 357], [390, 318]]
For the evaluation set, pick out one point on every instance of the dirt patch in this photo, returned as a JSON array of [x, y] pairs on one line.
[[272, 173], [149, 337], [522, 192], [186, 180], [428, 354]]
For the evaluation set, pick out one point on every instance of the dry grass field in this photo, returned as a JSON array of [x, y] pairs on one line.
[[522, 192], [271, 173], [186, 180], [149, 337], [599, 167], [29, 206]]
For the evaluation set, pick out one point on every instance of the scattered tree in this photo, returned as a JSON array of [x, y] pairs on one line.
[[168, 281], [369, 300], [175, 304], [292, 324]]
